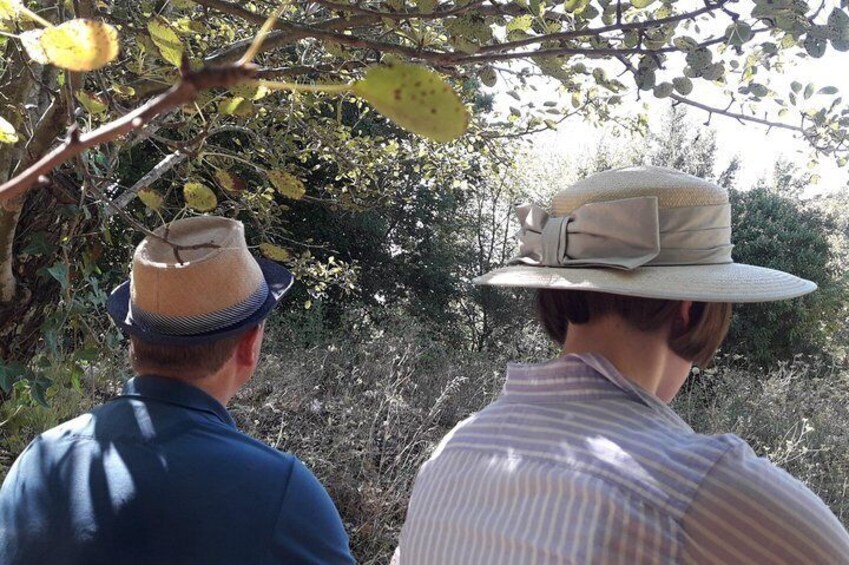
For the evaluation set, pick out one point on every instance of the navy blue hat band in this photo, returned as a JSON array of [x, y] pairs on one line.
[[200, 324]]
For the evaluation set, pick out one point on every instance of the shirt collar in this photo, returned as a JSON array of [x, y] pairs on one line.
[[178, 393], [584, 376]]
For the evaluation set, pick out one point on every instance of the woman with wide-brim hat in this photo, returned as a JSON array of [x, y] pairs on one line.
[[580, 460]]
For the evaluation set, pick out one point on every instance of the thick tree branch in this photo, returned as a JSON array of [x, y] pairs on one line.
[[435, 15], [182, 93]]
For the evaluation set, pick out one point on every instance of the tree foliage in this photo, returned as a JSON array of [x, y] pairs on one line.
[[164, 113]]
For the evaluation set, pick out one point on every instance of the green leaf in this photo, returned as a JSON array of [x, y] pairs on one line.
[[80, 44], [663, 90], [809, 90], [682, 85], [274, 252], [796, 86], [59, 271], [645, 79], [426, 6], [151, 198], [758, 89], [640, 4], [574, 5], [38, 245], [488, 76], [415, 98], [93, 104], [815, 46], [7, 132], [166, 40], [199, 197], [10, 373], [827, 90], [838, 25], [699, 59], [287, 184], [520, 23], [738, 33], [685, 43]]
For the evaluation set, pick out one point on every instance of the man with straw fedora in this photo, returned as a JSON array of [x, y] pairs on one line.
[[161, 474], [580, 460]]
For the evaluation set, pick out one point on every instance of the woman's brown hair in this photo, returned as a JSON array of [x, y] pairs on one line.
[[697, 342]]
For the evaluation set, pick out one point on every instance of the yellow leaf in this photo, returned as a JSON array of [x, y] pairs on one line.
[[287, 184], [9, 9], [416, 99], [166, 40], [31, 40], [80, 44], [151, 198], [274, 252], [250, 91], [92, 103], [123, 91], [237, 106], [199, 197], [229, 181], [7, 132]]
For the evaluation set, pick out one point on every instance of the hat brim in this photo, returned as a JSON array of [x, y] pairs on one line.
[[277, 277], [730, 282]]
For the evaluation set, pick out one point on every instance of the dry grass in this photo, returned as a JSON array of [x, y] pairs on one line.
[[363, 406]]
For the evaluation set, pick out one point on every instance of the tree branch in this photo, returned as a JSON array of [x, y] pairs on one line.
[[185, 91], [595, 32], [435, 15]]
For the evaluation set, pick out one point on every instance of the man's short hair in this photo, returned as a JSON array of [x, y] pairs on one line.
[[190, 360], [698, 342]]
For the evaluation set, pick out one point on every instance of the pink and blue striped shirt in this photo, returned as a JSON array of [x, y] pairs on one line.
[[574, 463]]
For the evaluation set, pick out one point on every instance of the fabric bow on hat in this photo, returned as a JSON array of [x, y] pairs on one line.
[[622, 234]]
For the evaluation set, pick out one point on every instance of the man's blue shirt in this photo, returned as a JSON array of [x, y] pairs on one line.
[[162, 475]]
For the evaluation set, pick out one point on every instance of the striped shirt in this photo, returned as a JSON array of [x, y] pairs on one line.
[[574, 463]]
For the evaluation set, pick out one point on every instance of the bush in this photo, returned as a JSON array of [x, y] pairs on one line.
[[795, 414], [773, 231]]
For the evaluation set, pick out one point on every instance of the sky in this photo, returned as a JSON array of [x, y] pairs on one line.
[[757, 147]]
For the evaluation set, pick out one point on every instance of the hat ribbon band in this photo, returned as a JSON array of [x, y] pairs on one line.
[[625, 234], [200, 323]]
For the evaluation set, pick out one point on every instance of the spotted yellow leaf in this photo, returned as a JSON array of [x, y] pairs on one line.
[[199, 197], [416, 99], [151, 198], [7, 132], [80, 44], [287, 184], [166, 40], [230, 181], [274, 252]]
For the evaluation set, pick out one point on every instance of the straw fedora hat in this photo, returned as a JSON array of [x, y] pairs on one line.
[[210, 289], [639, 231]]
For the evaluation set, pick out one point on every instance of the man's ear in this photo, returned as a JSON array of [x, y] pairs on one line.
[[247, 351]]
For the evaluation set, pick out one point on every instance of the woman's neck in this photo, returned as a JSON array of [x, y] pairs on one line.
[[644, 358]]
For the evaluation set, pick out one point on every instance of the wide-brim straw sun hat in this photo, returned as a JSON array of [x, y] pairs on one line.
[[208, 288], [641, 231]]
